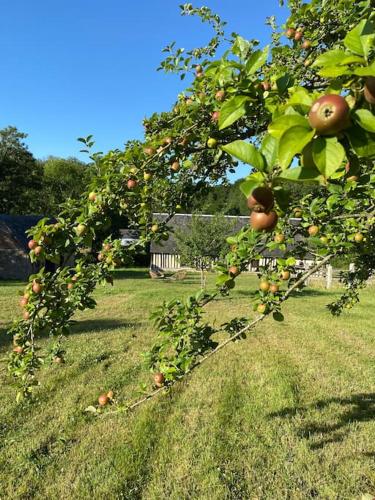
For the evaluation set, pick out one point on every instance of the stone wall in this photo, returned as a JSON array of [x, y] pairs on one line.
[[14, 264]]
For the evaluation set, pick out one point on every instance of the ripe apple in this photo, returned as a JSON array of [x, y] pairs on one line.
[[26, 315], [24, 301], [279, 238], [266, 86], [32, 244], [147, 176], [306, 45], [81, 229], [18, 349], [264, 286], [92, 196], [313, 230], [261, 199], [175, 166], [290, 32], [298, 36], [107, 247], [149, 151], [132, 183], [100, 256], [38, 250], [262, 308], [58, 360], [220, 95], [274, 288], [358, 237], [369, 90], [159, 379], [262, 221], [103, 399], [154, 228], [37, 287], [285, 275], [167, 140], [212, 142], [110, 394], [329, 114], [234, 271], [215, 116], [70, 286]]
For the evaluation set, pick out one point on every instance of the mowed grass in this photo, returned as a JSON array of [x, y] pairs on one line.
[[288, 413]]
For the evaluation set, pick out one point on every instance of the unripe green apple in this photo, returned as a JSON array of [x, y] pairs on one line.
[[147, 176], [212, 142], [81, 229], [92, 196]]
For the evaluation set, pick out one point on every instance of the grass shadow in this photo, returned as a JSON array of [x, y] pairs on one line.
[[357, 408], [99, 325], [83, 326]]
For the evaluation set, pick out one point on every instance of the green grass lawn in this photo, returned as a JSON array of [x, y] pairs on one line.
[[288, 413]]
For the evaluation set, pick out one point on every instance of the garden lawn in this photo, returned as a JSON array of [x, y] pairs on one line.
[[288, 413]]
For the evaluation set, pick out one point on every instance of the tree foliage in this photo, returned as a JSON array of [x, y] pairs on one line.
[[257, 106], [20, 176], [203, 241]]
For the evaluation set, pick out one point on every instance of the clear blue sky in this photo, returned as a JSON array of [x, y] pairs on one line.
[[79, 67]]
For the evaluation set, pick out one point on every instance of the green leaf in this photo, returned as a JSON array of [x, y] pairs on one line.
[[360, 39], [285, 122], [256, 60], [278, 316], [269, 149], [365, 71], [232, 110], [292, 142], [283, 82], [331, 58], [365, 119], [353, 42], [245, 152], [334, 71], [362, 142], [301, 174], [253, 181], [328, 155], [301, 97]]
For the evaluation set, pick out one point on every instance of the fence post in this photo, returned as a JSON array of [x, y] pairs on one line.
[[329, 276]]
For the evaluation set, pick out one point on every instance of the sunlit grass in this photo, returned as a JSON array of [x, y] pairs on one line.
[[287, 413]]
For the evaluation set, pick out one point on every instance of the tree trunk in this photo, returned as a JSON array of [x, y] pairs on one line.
[[203, 279]]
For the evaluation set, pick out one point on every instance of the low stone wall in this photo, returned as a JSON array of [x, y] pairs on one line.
[[14, 265]]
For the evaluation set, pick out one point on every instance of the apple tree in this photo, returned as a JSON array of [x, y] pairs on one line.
[[298, 110]]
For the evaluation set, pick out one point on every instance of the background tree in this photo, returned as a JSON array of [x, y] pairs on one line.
[[203, 241], [63, 178], [20, 175]]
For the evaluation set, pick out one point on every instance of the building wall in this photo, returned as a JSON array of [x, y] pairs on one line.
[[171, 262], [14, 264]]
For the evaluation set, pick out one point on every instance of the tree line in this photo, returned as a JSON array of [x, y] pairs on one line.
[[32, 186]]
